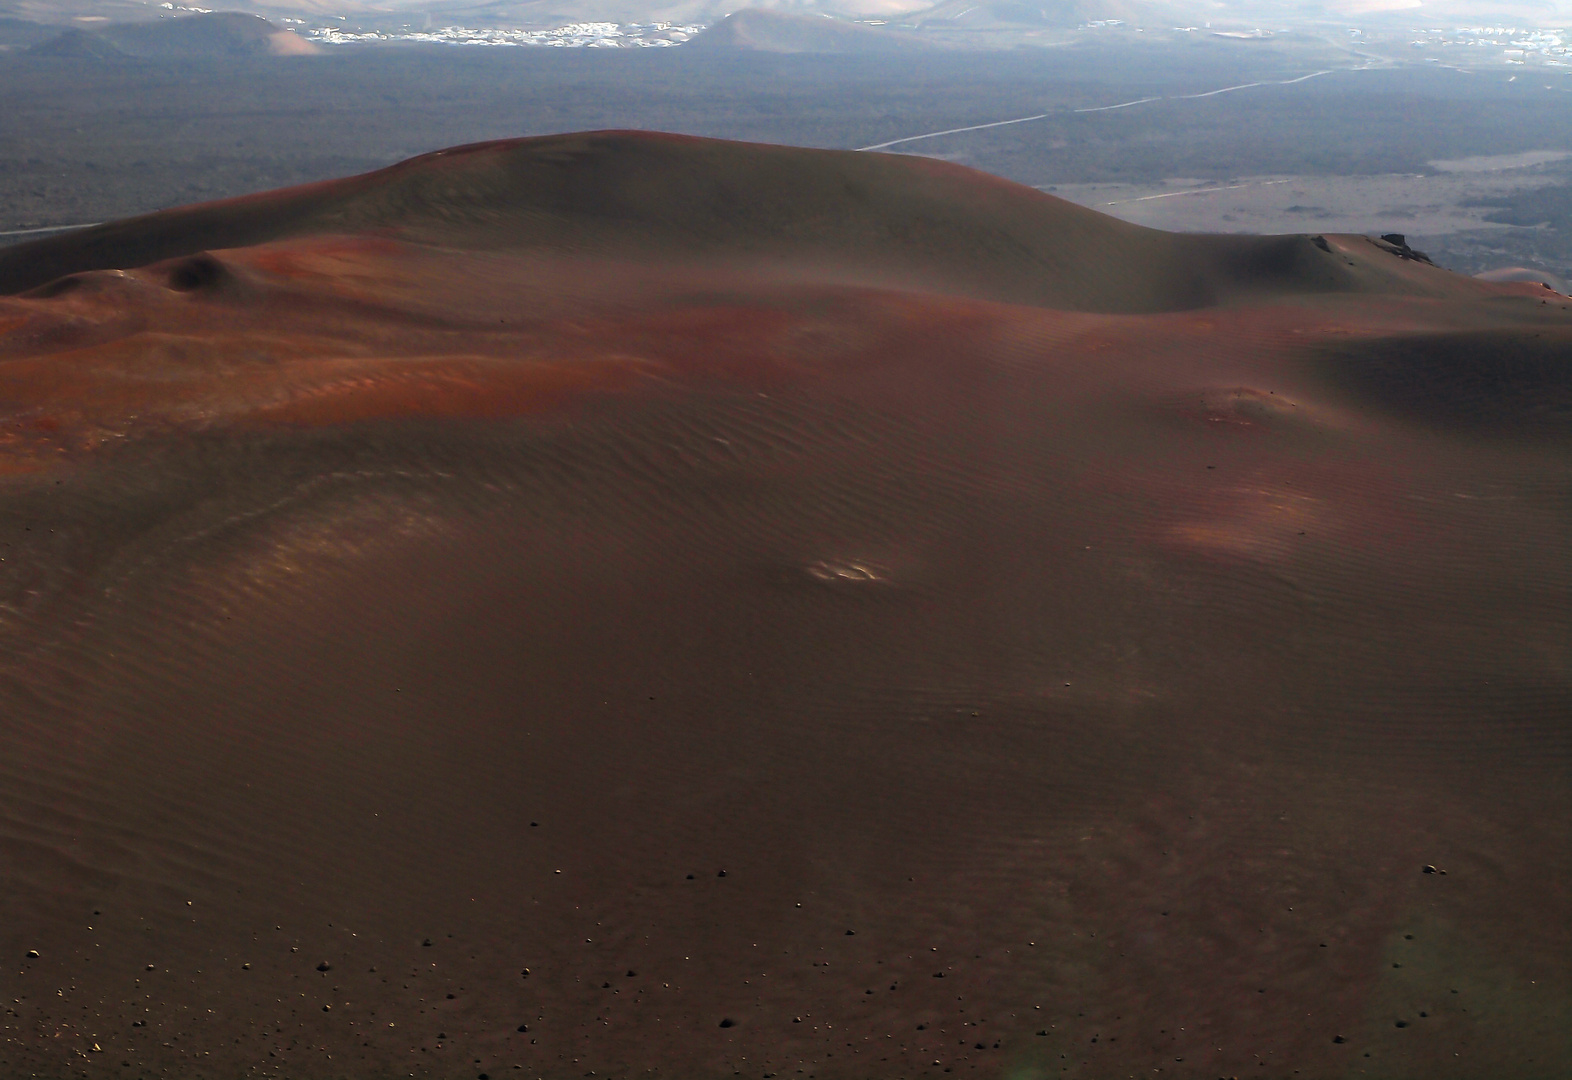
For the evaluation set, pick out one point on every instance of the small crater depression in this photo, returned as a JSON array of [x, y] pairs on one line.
[[198, 273]]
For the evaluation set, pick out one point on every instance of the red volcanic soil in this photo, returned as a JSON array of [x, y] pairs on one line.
[[626, 605]]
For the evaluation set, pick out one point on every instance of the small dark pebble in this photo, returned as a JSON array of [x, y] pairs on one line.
[[851, 933], [245, 967], [150, 967], [632, 973], [32, 954], [978, 1046], [324, 966], [690, 877], [534, 824], [524, 974], [523, 1027], [327, 1008], [1429, 870], [728, 1022], [938, 974], [720, 873], [922, 1027], [867, 991], [450, 997], [1042, 1033], [1339, 1039], [603, 986], [426, 943], [1402, 1023]]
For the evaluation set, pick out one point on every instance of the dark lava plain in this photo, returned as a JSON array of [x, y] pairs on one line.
[[630, 605]]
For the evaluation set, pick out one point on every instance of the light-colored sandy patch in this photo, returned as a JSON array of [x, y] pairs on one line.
[[289, 43], [1487, 163], [1410, 203]]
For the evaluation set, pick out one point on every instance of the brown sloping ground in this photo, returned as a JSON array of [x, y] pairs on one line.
[[836, 615], [828, 216]]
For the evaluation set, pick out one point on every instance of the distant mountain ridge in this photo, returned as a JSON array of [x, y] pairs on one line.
[[212, 34], [765, 30]]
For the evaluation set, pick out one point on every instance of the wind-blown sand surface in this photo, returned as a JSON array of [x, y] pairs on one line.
[[626, 605]]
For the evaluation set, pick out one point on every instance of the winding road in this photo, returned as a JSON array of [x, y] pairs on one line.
[[1100, 108]]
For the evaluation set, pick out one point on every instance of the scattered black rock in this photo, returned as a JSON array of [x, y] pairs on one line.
[[324, 966], [426, 943], [851, 933], [721, 873], [523, 1027], [632, 973], [1397, 244], [32, 954], [1339, 1039], [1400, 1023], [1320, 242], [728, 1022]]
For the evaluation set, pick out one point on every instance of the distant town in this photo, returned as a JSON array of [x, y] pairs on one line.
[[1462, 46], [582, 35]]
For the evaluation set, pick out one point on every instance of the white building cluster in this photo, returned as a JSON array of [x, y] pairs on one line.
[[585, 35], [1511, 44]]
